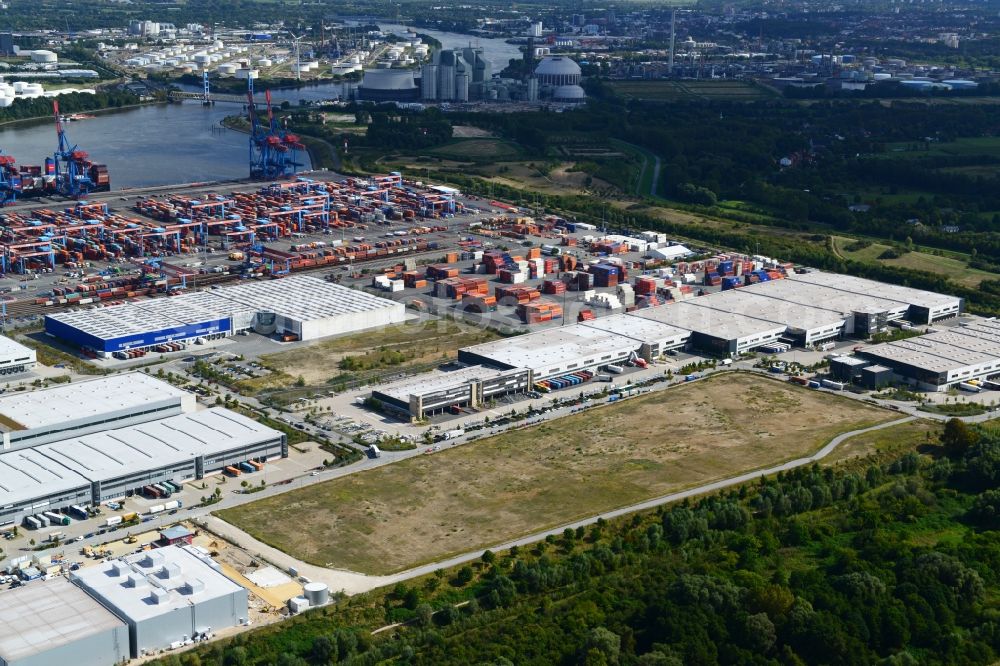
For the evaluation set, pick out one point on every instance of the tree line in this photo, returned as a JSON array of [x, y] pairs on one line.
[[814, 565]]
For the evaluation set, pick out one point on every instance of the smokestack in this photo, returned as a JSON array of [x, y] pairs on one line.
[[673, 33]]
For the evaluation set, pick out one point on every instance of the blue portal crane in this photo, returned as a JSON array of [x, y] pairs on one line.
[[72, 168]]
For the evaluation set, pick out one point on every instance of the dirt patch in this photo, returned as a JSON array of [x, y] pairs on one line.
[[417, 342], [490, 491], [468, 131]]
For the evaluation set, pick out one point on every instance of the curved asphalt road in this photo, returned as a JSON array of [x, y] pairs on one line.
[[352, 582]]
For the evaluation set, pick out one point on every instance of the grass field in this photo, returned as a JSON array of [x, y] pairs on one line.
[[666, 91], [952, 265], [985, 145], [888, 442], [428, 507], [478, 149], [418, 342]]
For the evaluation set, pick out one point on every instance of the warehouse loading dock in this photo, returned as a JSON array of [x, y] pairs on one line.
[[116, 463]]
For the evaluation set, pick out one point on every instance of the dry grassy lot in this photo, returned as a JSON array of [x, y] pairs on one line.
[[428, 507]]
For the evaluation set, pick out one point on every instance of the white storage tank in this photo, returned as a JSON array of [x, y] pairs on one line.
[[317, 593], [265, 62], [43, 56], [227, 69]]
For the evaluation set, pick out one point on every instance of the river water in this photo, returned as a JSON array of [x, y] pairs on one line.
[[166, 144]]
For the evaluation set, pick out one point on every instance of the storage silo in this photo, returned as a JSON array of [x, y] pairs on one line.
[[318, 594], [428, 82]]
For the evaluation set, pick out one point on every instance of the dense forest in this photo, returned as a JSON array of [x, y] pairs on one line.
[[891, 562], [837, 153], [41, 107]]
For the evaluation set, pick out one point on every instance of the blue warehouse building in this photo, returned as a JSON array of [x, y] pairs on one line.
[[119, 328], [305, 307]]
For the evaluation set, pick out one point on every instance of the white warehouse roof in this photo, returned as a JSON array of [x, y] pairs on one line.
[[157, 582], [856, 285], [305, 298], [47, 615], [555, 346], [557, 65], [26, 475], [647, 331], [709, 321], [114, 453], [52, 406], [11, 350]]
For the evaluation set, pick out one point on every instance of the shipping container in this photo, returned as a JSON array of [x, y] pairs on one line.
[[57, 518], [232, 471], [247, 467]]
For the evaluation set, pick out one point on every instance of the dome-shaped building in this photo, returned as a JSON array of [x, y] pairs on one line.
[[380, 85], [572, 94], [558, 71]]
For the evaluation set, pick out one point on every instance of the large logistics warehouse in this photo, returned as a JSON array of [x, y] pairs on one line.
[[715, 331], [30, 482], [803, 312], [553, 351], [939, 360], [69, 410], [115, 463], [53, 622], [15, 358], [303, 306], [167, 595], [653, 337], [923, 307], [178, 448]]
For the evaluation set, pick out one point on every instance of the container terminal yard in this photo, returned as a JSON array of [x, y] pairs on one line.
[[195, 273]]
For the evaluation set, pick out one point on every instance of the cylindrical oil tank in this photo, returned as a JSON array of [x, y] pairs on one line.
[[317, 593]]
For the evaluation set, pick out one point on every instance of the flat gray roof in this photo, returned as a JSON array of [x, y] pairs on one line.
[[438, 380], [647, 331], [157, 582], [114, 453], [49, 614], [77, 400], [554, 346], [9, 349], [300, 297], [305, 298], [116, 321], [823, 297], [754, 303], [945, 351], [856, 285], [27, 475], [709, 321], [850, 360]]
